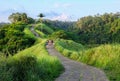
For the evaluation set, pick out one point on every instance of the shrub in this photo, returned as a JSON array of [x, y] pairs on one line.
[[59, 34], [32, 64], [66, 52], [74, 56]]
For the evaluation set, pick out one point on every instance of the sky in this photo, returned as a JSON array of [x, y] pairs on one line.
[[65, 10]]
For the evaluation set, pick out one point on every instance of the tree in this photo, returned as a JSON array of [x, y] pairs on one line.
[[24, 17], [41, 15], [16, 17], [30, 20], [59, 34]]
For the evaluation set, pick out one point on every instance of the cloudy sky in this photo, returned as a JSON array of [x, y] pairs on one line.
[[58, 9]]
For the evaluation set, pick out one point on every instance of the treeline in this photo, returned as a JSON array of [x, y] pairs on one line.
[[99, 29], [13, 39], [2, 24], [57, 25]]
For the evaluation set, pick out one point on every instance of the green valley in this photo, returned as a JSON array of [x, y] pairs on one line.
[[93, 40]]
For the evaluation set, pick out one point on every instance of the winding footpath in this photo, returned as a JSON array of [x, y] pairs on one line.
[[34, 32], [76, 71]]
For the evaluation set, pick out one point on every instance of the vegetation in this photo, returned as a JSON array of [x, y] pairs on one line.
[[58, 34], [99, 29], [28, 32], [13, 39], [41, 15], [45, 29], [105, 57], [101, 32], [58, 25], [20, 17], [32, 64]]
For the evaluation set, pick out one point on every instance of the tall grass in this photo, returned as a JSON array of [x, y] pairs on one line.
[[106, 57], [68, 48], [32, 64], [42, 35], [44, 28], [28, 32]]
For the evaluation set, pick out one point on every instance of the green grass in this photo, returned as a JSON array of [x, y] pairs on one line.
[[69, 48], [44, 29], [31, 64], [106, 57], [28, 32], [42, 35]]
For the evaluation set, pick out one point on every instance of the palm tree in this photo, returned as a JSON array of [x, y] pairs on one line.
[[41, 15]]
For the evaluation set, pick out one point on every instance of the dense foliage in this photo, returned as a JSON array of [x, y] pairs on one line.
[[20, 17], [13, 39], [99, 29], [105, 57], [57, 25], [44, 28], [32, 64]]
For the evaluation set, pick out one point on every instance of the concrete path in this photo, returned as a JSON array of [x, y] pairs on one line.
[[34, 32], [76, 71]]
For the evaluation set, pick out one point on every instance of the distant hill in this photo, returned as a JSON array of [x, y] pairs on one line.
[[2, 23]]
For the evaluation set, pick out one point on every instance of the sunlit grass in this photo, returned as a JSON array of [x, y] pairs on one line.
[[32, 64], [41, 33], [28, 32], [44, 28], [106, 57]]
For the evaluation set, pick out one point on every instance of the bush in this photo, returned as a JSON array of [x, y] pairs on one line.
[[59, 34], [60, 48], [74, 56], [66, 52], [32, 64], [14, 39]]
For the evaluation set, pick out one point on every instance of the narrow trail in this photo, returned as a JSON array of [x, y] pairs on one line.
[[34, 32], [76, 71]]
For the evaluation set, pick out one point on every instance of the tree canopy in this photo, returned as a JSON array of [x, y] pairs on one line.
[[99, 28]]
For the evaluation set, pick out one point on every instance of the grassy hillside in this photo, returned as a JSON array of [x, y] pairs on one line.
[[32, 64], [28, 32], [105, 57], [43, 29]]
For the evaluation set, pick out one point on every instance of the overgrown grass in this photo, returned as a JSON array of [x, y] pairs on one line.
[[32, 64], [106, 57], [69, 48], [44, 29], [28, 32], [42, 35]]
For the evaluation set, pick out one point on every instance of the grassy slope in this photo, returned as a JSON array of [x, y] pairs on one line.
[[43, 30], [105, 57], [28, 32], [31, 64], [51, 65]]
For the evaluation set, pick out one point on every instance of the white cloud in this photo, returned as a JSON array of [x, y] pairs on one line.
[[61, 17], [60, 5]]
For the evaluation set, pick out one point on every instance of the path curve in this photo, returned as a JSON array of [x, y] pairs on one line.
[[76, 71], [34, 32]]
